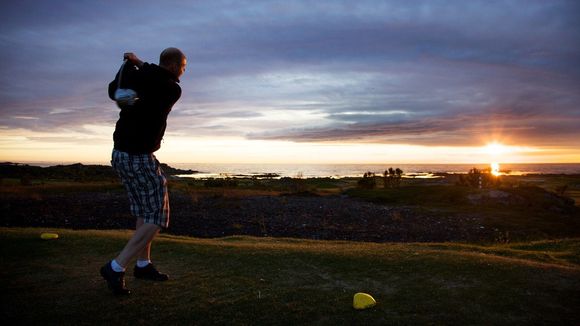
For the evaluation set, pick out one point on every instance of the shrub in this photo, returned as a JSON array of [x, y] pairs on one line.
[[221, 183], [476, 178], [392, 178], [368, 181]]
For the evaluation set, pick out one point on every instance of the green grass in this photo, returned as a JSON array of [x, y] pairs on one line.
[[266, 281], [532, 213]]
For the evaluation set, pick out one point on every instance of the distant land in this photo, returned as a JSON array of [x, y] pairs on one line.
[[76, 172]]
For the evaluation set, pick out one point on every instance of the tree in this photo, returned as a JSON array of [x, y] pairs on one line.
[[392, 177]]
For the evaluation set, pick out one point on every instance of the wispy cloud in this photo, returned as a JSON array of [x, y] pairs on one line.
[[419, 72]]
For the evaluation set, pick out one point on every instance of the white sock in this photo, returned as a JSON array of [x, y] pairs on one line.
[[143, 262], [116, 267]]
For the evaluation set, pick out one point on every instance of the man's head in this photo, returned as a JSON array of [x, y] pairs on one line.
[[173, 60]]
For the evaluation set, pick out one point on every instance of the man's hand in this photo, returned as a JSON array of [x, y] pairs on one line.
[[131, 57]]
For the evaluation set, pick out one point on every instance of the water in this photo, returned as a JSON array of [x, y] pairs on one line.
[[222, 170]]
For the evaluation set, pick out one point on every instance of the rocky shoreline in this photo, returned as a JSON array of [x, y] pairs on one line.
[[336, 217]]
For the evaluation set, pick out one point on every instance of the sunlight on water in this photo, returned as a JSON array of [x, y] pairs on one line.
[[221, 170], [495, 169]]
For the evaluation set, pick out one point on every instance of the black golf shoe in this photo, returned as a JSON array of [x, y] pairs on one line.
[[115, 280], [149, 272]]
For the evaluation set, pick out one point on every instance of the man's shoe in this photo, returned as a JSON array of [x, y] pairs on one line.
[[149, 272], [115, 280]]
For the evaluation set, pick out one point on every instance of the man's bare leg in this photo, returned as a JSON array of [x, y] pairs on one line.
[[138, 243], [145, 254]]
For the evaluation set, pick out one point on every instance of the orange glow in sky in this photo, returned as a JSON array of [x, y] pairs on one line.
[[25, 146], [267, 83], [496, 149]]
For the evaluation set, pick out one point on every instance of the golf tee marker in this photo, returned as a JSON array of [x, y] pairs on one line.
[[49, 236], [363, 301]]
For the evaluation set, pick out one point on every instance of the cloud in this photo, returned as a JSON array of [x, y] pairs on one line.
[[417, 72], [464, 130]]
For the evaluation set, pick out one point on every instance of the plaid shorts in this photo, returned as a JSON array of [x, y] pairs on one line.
[[146, 185]]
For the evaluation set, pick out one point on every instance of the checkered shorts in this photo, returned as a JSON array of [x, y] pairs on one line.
[[146, 185]]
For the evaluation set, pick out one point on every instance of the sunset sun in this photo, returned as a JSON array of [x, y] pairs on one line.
[[496, 149], [496, 152]]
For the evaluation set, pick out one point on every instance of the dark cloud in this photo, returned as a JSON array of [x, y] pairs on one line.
[[466, 130], [421, 72]]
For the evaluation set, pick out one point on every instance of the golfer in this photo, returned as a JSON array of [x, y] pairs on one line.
[[138, 134]]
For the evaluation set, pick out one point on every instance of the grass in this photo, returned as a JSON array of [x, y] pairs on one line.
[[9, 187], [556, 183], [531, 214], [266, 281]]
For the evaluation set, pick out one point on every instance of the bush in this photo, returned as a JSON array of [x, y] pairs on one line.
[[221, 183], [392, 178], [368, 181], [476, 178]]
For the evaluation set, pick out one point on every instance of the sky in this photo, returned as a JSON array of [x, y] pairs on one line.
[[301, 81]]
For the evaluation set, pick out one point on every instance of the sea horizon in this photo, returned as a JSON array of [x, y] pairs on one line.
[[217, 170], [340, 170]]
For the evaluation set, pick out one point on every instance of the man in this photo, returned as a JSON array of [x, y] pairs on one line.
[[138, 134]]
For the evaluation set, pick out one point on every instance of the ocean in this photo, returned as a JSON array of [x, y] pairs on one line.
[[223, 170]]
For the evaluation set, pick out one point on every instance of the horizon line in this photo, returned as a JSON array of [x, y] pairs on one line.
[[52, 163]]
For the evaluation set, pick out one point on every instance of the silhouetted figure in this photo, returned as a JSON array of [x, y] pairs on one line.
[[147, 94]]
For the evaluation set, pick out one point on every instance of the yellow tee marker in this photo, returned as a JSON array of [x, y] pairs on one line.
[[49, 236], [363, 301]]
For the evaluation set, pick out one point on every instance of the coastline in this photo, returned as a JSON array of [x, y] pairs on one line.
[[420, 210], [337, 171]]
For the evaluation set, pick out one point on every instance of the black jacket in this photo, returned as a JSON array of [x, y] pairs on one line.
[[141, 127]]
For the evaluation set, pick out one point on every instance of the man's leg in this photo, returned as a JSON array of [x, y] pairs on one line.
[[145, 254], [144, 268], [140, 239], [147, 176], [138, 243]]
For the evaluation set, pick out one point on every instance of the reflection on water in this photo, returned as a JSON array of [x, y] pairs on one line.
[[495, 169], [222, 170]]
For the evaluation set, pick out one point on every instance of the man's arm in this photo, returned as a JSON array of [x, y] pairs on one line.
[[132, 58], [113, 87]]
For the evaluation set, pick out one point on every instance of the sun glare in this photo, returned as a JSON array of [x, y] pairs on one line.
[[496, 149], [495, 169]]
